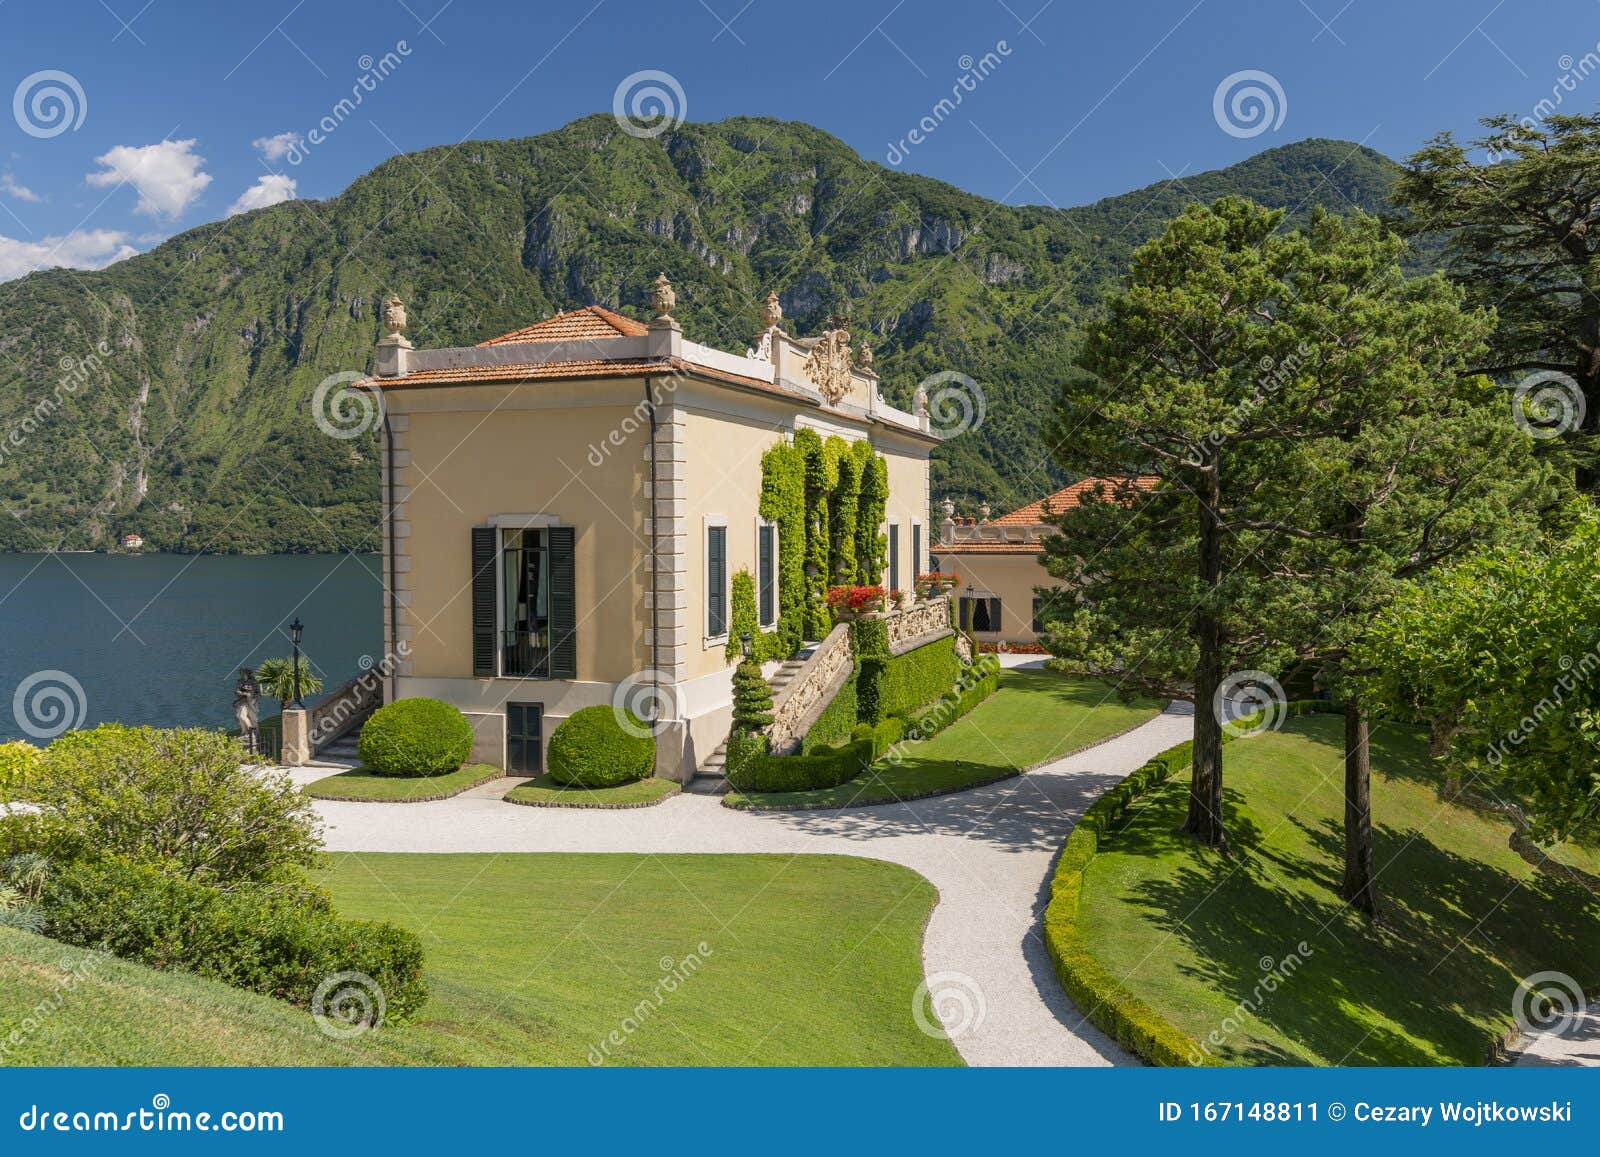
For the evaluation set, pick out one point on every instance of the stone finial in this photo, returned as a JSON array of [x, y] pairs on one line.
[[662, 299], [983, 512], [864, 356], [394, 317], [948, 507], [771, 310]]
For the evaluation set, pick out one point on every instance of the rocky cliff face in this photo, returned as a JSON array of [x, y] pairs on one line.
[[171, 394]]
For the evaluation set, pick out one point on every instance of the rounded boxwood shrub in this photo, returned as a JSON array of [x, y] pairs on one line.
[[415, 737], [590, 748]]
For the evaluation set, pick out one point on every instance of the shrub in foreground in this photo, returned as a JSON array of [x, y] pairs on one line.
[[176, 799], [284, 941], [590, 748], [415, 737]]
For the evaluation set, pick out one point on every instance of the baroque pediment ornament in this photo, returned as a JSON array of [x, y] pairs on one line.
[[829, 364]]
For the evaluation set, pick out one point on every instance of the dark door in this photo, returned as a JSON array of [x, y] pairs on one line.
[[525, 738]]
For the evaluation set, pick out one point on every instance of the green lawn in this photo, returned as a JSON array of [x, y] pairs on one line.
[[1465, 917], [1035, 717], [541, 790], [537, 959], [364, 785]]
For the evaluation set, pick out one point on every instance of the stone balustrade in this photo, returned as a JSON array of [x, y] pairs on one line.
[[918, 623], [796, 707]]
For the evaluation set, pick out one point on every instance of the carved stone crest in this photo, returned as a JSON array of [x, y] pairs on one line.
[[829, 364]]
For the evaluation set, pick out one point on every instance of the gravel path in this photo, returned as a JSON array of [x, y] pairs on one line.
[[989, 852], [1576, 1043]]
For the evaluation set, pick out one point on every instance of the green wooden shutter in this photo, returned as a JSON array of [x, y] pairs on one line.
[[716, 580], [894, 556], [483, 601], [768, 568], [563, 603]]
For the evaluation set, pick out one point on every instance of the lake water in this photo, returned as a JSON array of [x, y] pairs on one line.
[[160, 638]]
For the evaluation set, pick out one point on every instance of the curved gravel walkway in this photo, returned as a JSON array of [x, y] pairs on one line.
[[989, 852]]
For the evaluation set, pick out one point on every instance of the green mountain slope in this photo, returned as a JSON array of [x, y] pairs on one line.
[[176, 386]]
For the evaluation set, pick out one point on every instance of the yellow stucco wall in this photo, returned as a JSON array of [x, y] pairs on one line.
[[475, 453], [1009, 577]]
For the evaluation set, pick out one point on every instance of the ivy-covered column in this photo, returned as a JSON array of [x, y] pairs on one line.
[[869, 638]]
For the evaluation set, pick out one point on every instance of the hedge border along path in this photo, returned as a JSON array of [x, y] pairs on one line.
[[488, 777], [1100, 995]]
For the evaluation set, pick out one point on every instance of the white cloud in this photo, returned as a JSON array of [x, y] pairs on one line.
[[81, 249], [9, 186], [275, 148], [269, 190], [167, 175]]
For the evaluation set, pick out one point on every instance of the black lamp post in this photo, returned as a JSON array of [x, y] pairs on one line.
[[295, 629], [745, 644]]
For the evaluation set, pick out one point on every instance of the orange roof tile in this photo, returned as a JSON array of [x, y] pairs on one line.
[[592, 321], [1064, 499]]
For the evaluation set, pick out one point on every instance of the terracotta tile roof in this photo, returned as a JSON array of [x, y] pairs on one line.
[[939, 548], [471, 375], [1064, 499], [595, 368], [592, 321]]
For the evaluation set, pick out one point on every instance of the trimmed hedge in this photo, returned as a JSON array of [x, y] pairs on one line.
[[837, 720], [957, 701], [1097, 993], [919, 677], [281, 941], [415, 737], [590, 749], [750, 767]]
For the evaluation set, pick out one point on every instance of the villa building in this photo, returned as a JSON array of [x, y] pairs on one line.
[[1001, 586], [570, 502]]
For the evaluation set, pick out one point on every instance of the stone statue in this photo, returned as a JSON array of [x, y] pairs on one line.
[[662, 299], [394, 317], [919, 401], [864, 356], [245, 698], [771, 310]]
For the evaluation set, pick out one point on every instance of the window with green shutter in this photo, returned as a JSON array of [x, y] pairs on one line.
[[483, 600], [561, 544]]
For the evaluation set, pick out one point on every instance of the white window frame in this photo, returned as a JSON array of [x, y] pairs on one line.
[[777, 575], [707, 640]]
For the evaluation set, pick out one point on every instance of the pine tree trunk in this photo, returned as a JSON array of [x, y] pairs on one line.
[[1204, 821], [1360, 889]]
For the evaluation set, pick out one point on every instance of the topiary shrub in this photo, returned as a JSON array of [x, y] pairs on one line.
[[592, 749], [415, 737], [752, 698]]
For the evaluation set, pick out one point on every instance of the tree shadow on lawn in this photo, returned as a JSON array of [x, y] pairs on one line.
[[1028, 813], [1423, 988]]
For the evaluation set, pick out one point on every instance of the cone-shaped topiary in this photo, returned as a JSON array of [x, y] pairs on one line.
[[752, 698]]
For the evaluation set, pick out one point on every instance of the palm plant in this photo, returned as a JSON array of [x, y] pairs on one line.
[[22, 879], [276, 677]]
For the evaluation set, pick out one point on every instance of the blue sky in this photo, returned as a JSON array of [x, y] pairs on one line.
[[135, 119]]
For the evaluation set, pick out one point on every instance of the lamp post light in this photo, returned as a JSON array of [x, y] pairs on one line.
[[746, 644], [295, 630]]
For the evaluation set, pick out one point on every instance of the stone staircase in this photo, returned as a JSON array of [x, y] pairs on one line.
[[711, 777], [341, 752]]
